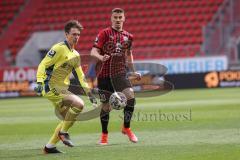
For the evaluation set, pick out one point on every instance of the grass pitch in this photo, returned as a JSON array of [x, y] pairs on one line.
[[201, 124]]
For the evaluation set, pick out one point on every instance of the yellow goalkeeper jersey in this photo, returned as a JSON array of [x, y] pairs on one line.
[[58, 64]]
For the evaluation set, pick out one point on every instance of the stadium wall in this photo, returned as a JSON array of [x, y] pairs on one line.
[[205, 80]]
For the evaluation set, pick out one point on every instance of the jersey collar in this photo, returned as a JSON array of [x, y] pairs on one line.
[[68, 45], [117, 30]]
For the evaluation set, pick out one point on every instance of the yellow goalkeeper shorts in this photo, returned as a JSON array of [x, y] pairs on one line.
[[56, 95]]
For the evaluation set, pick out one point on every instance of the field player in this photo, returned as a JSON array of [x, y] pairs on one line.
[[113, 51]]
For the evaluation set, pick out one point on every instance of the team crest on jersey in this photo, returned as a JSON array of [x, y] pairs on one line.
[[51, 53]]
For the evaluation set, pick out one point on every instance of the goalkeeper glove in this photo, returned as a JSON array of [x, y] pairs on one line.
[[92, 99], [38, 89]]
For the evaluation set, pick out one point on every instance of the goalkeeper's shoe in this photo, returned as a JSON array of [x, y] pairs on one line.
[[51, 150], [104, 139], [65, 138], [132, 137]]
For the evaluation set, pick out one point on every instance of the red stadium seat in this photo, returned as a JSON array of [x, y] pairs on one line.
[[168, 24]]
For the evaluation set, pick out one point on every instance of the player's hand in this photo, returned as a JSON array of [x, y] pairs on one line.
[[105, 57], [38, 89], [92, 99], [136, 75]]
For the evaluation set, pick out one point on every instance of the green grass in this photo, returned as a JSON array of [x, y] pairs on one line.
[[200, 124]]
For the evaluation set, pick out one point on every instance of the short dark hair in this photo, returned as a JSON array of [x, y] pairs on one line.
[[72, 24], [117, 10]]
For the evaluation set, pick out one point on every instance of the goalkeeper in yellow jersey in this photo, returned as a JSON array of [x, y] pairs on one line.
[[53, 82]]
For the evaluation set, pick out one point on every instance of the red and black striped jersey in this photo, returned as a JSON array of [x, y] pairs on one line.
[[115, 44]]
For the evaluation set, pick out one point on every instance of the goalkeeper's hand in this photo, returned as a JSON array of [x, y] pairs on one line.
[[92, 99], [38, 89]]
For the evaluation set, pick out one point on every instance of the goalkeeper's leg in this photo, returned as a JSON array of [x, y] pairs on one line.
[[75, 105], [51, 145]]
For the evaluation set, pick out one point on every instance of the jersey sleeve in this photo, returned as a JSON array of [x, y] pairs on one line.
[[130, 41], [49, 60], [81, 78], [100, 40]]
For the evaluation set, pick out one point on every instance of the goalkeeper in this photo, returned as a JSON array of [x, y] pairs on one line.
[[53, 82]]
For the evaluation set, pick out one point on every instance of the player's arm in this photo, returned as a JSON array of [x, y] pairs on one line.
[[81, 78], [131, 65], [95, 52], [98, 45], [130, 60], [84, 84], [49, 60]]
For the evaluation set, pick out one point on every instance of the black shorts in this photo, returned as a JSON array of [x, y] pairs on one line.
[[108, 85]]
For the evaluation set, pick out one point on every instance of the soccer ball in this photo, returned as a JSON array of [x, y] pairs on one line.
[[118, 100]]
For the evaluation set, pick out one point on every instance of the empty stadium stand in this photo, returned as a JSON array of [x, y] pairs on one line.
[[8, 10], [167, 28]]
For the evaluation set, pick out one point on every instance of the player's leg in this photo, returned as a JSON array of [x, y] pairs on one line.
[[122, 84], [129, 109], [105, 90], [57, 102], [104, 118], [128, 112], [75, 106], [51, 145]]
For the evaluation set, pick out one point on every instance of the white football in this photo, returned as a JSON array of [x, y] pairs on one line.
[[118, 100]]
